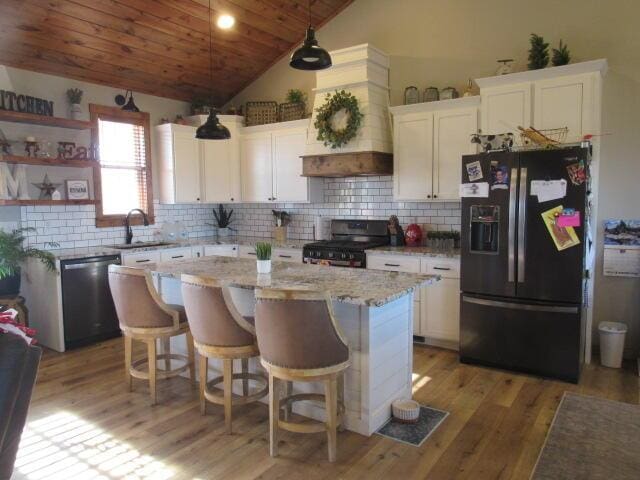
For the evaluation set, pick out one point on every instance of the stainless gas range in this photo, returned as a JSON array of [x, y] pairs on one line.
[[349, 240]]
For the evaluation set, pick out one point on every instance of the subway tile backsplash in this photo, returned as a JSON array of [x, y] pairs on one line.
[[74, 225], [354, 197]]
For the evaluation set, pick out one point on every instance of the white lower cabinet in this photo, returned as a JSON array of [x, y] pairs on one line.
[[221, 251], [291, 255], [440, 302], [400, 263], [173, 254], [436, 317], [246, 251], [140, 259]]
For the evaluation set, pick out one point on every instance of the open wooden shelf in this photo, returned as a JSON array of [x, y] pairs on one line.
[[49, 162], [33, 119], [46, 202]]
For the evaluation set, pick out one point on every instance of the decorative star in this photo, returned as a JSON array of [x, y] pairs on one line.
[[46, 188]]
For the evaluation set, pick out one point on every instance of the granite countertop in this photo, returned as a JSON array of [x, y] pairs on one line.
[[418, 251], [103, 250], [349, 285]]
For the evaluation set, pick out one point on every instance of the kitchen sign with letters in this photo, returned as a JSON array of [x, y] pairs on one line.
[[25, 103]]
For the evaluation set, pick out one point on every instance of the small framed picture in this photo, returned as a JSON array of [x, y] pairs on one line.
[[77, 189]]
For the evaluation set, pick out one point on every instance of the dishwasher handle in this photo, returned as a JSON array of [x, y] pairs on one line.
[[80, 266]]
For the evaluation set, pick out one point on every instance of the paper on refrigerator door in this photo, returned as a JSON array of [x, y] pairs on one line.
[[479, 189], [547, 190]]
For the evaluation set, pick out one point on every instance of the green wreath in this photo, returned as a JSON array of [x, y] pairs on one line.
[[338, 101]]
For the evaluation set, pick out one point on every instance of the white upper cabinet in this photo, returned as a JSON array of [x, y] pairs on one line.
[[179, 161], [256, 167], [565, 102], [192, 170], [413, 156], [271, 164], [220, 171], [288, 183], [505, 108], [452, 131], [555, 97], [429, 141]]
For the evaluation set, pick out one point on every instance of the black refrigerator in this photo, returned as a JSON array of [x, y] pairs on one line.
[[522, 277]]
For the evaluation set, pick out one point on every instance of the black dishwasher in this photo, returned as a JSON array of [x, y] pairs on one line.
[[87, 306]]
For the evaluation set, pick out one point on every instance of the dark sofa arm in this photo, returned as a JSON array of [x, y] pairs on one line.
[[18, 369]]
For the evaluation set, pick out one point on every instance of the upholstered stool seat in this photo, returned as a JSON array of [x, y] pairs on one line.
[[221, 332], [143, 316], [300, 341]]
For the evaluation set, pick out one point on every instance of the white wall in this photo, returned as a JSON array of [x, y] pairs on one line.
[[443, 43]]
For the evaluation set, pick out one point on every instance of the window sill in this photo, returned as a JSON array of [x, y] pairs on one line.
[[118, 221]]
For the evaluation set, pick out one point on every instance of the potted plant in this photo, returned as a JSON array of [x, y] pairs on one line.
[[263, 257], [13, 253], [75, 97], [295, 107], [223, 220]]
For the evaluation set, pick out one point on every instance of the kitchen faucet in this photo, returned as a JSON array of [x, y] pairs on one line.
[[127, 226]]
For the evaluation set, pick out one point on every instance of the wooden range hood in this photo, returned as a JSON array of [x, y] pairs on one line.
[[348, 164]]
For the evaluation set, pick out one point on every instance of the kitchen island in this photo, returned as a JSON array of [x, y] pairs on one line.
[[374, 310]]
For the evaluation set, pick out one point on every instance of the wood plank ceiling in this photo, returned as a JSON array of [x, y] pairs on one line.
[[159, 47]]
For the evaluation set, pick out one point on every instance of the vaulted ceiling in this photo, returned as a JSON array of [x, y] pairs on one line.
[[159, 47]]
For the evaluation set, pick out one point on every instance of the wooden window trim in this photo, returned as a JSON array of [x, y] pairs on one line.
[[115, 114]]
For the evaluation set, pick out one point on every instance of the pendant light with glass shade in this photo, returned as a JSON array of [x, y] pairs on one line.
[[212, 128], [310, 56]]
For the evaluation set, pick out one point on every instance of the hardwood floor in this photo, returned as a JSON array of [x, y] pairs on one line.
[[83, 423]]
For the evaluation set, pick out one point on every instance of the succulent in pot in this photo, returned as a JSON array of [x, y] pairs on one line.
[[263, 257], [223, 220], [75, 97], [13, 253]]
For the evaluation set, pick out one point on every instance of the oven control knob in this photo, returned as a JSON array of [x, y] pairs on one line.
[[351, 256], [343, 256], [330, 254]]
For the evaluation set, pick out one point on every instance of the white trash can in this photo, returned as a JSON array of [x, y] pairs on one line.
[[611, 343]]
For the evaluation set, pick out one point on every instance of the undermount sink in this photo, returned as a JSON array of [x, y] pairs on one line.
[[129, 246]]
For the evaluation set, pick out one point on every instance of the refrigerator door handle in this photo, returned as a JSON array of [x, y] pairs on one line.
[[522, 220], [512, 226], [520, 306]]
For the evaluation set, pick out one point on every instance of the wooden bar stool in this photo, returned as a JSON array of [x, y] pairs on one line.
[[220, 331], [143, 316], [300, 341]]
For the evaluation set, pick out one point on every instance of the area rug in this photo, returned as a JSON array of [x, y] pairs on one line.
[[591, 438], [416, 433]]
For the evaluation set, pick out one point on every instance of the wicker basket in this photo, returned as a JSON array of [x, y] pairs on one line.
[[546, 138], [260, 113], [291, 111]]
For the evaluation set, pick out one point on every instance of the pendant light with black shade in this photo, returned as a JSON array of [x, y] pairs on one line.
[[212, 129], [310, 56]]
